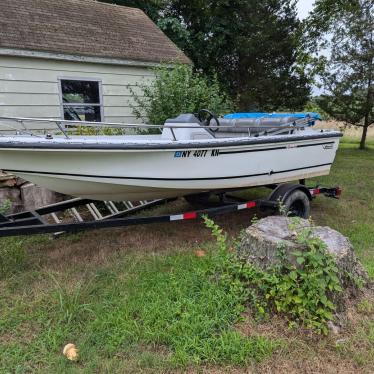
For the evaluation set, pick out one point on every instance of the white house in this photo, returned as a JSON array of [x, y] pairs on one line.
[[75, 59]]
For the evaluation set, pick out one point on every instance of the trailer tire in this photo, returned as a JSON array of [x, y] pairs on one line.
[[297, 204]]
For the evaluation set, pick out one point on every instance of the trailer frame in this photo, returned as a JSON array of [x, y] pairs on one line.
[[33, 222]]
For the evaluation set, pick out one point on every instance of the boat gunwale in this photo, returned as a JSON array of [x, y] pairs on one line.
[[175, 145]]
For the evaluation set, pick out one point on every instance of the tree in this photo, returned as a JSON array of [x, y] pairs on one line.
[[178, 90], [251, 45], [346, 28]]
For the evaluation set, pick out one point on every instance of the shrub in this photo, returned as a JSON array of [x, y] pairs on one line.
[[178, 90], [303, 293]]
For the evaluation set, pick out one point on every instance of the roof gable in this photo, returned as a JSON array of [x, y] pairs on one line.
[[85, 28]]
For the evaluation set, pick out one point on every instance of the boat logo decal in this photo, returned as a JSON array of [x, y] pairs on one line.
[[328, 146], [197, 153]]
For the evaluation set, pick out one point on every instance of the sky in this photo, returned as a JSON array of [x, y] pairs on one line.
[[304, 7]]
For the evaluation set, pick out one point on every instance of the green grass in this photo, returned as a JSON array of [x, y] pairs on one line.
[[162, 311], [13, 253], [355, 141], [174, 303], [12, 256], [353, 214]]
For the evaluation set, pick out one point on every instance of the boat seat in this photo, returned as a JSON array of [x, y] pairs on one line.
[[228, 127], [254, 125], [242, 124]]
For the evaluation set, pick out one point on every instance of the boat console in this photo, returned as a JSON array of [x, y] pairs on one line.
[[185, 127], [189, 126]]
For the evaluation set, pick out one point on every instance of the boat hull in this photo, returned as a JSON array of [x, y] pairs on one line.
[[116, 174]]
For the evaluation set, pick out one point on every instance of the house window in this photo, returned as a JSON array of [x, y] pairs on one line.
[[81, 100]]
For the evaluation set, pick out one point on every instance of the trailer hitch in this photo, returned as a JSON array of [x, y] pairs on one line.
[[333, 192]]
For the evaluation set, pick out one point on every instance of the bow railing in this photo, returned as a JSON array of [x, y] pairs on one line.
[[40, 127]]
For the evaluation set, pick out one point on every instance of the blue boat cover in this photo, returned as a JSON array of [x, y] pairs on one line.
[[314, 116]]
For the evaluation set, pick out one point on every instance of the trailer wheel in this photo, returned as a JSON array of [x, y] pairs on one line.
[[297, 204]]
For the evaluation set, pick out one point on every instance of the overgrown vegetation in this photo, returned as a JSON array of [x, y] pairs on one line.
[[302, 292], [178, 90]]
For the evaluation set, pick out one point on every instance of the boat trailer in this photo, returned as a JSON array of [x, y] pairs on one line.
[[47, 219]]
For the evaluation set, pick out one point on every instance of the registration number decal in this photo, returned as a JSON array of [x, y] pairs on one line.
[[197, 153]]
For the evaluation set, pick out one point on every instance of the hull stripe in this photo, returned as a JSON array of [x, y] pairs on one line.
[[165, 179], [273, 149]]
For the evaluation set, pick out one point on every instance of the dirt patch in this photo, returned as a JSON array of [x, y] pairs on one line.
[[98, 246]]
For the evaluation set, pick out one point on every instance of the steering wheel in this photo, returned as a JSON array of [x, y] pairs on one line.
[[206, 122]]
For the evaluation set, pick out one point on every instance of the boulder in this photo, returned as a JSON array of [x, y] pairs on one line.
[[12, 195], [261, 242], [20, 181], [7, 180], [34, 196]]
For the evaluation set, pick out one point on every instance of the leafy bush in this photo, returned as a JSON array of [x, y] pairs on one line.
[[178, 90], [303, 293]]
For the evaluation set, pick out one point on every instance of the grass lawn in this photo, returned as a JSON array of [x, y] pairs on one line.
[[140, 300]]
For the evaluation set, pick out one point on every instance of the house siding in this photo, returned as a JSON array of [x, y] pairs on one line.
[[29, 87]]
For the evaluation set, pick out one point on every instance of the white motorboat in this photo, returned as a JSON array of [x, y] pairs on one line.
[[189, 155]]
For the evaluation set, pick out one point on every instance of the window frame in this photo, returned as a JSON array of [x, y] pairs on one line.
[[61, 97]]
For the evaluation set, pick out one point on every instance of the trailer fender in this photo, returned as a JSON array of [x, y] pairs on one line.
[[295, 198], [282, 191]]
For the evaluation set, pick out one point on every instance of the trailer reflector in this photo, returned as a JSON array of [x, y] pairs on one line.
[[185, 216], [247, 205], [251, 204], [190, 215], [315, 191]]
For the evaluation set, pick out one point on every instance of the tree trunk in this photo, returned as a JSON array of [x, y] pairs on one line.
[[363, 137], [364, 131]]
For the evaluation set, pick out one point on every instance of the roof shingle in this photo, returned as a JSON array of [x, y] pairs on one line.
[[85, 28]]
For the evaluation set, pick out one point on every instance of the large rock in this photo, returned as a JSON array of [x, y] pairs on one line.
[[262, 241], [12, 195], [34, 196]]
